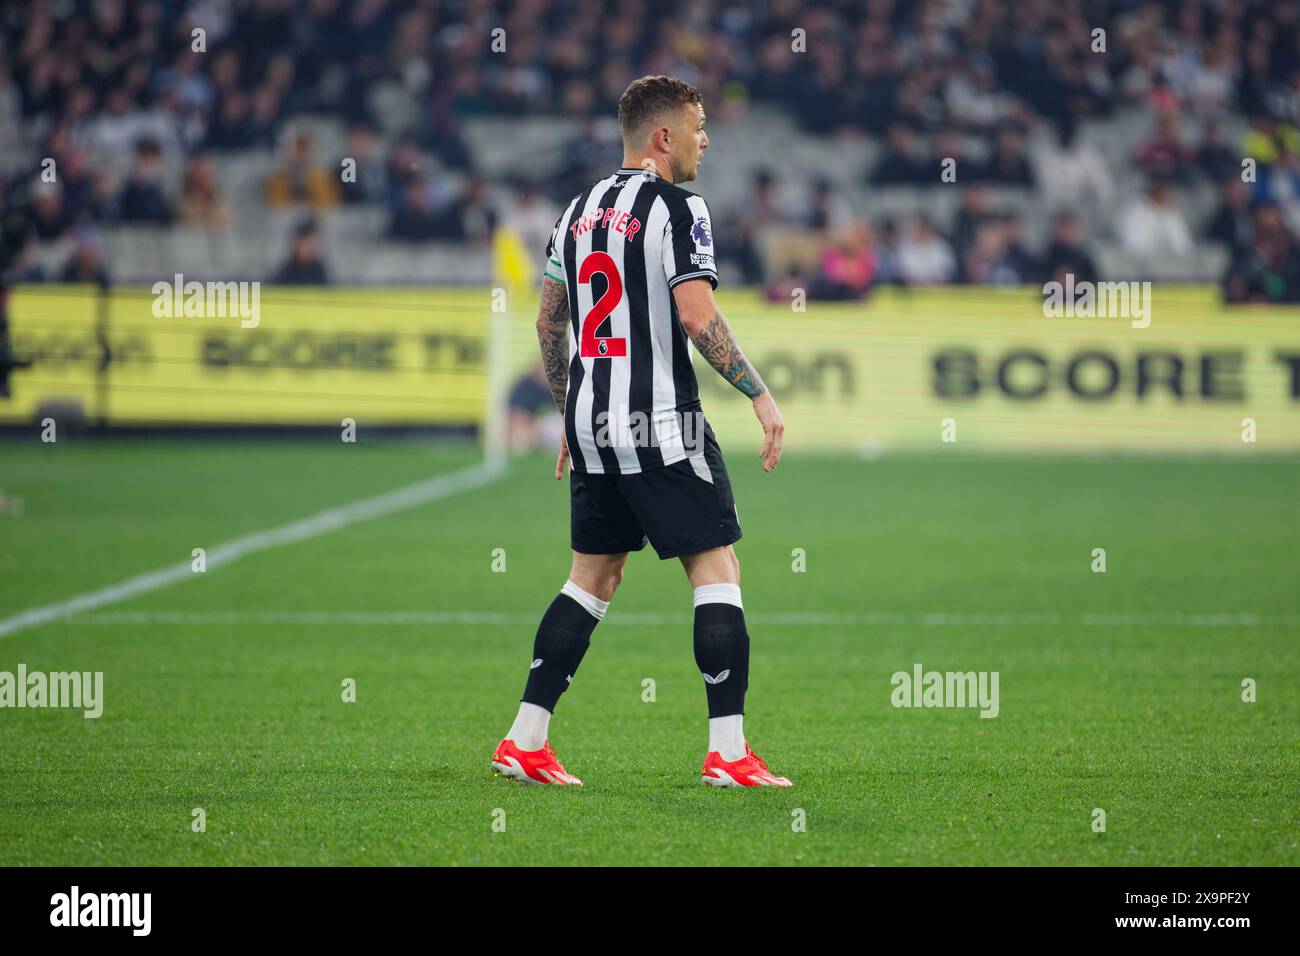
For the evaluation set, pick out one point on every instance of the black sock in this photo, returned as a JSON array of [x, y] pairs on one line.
[[562, 638], [722, 655]]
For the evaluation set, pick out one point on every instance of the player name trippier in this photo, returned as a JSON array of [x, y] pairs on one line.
[[620, 220], [76, 689]]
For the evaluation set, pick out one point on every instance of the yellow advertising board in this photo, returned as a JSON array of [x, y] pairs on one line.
[[302, 357], [930, 370], [988, 370]]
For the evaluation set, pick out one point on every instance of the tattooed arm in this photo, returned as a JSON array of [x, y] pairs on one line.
[[553, 337], [714, 340], [717, 343]]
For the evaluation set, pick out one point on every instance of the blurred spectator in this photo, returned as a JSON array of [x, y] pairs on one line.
[[1233, 222], [231, 127], [1017, 265], [1210, 88], [85, 264], [1166, 155], [186, 84], [103, 204], [763, 207], [371, 185], [472, 216], [415, 219], [1154, 226], [1268, 139], [404, 164], [924, 258], [143, 199], [973, 96], [200, 202], [1215, 159], [444, 138], [825, 211], [77, 183], [887, 268], [783, 288], [971, 215], [265, 114], [997, 256], [949, 145], [533, 421], [901, 165], [304, 265], [848, 265], [1279, 183], [1073, 171], [1284, 99], [48, 216], [1066, 253], [532, 216], [978, 263], [1269, 269], [1009, 165], [300, 181], [123, 125], [760, 210]]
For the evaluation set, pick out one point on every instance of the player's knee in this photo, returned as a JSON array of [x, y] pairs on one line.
[[601, 581]]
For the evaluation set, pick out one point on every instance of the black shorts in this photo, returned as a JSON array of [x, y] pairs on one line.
[[681, 511]]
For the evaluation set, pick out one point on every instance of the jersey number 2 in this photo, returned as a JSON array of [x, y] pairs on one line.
[[590, 346]]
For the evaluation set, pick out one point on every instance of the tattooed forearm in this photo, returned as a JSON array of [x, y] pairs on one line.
[[553, 336], [717, 343]]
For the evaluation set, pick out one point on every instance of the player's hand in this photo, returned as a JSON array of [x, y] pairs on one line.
[[769, 416], [562, 459]]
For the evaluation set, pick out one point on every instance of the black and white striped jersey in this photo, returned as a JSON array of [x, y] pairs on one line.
[[620, 247]]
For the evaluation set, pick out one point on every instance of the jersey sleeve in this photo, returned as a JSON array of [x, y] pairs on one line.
[[554, 268], [688, 242]]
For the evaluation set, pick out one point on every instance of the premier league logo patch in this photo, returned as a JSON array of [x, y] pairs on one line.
[[700, 233]]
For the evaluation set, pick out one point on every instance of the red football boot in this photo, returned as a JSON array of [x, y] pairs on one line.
[[531, 766], [749, 771]]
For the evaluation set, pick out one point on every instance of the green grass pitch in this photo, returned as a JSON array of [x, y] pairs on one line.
[[1119, 691]]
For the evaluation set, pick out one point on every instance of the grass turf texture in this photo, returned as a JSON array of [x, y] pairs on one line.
[[243, 717]]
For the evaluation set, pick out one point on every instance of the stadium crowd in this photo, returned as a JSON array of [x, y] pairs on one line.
[[137, 119]]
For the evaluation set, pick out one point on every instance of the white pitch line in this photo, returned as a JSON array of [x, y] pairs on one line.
[[652, 618], [323, 522]]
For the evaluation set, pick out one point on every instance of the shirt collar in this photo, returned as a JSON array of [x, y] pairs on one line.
[[638, 169]]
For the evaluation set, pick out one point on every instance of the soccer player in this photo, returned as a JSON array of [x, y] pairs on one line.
[[630, 276]]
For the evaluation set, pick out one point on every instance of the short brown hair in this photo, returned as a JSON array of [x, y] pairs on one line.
[[651, 98]]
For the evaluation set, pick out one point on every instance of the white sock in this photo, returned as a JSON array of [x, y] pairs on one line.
[[530, 727], [727, 736], [590, 603], [718, 594]]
